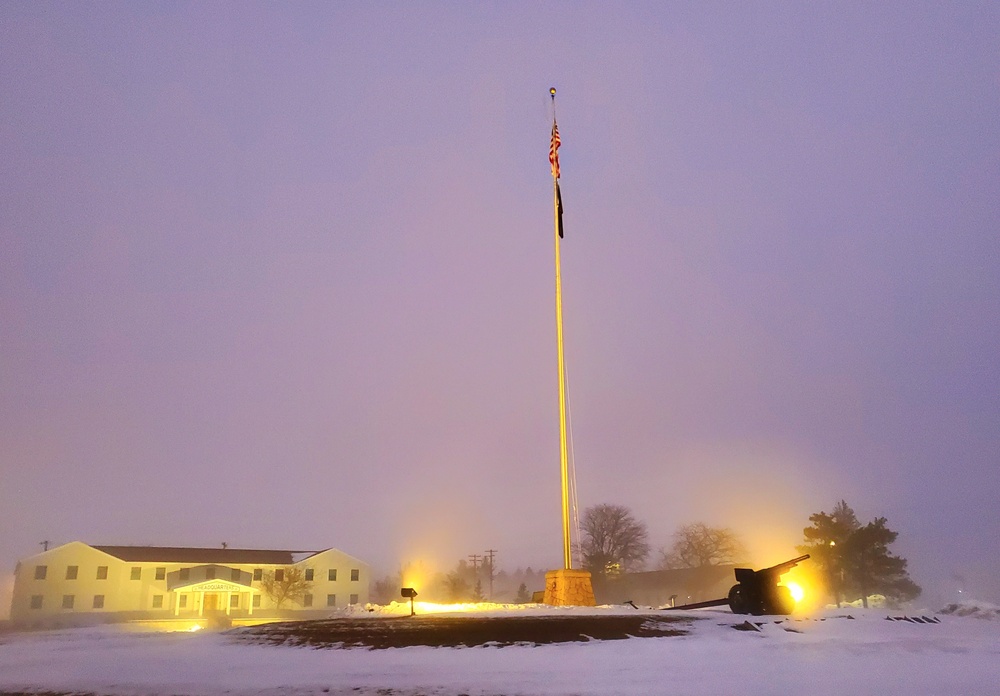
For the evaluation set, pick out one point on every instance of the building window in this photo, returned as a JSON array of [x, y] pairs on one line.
[[136, 573], [258, 574], [102, 572], [68, 601], [279, 575], [184, 575], [309, 574], [307, 600], [256, 601], [331, 600], [36, 601], [234, 601], [355, 575], [210, 573], [182, 601], [354, 599], [161, 573], [40, 572], [332, 575], [157, 601], [235, 575], [98, 601], [72, 572]]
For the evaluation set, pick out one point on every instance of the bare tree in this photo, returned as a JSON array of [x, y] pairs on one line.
[[698, 545], [285, 584], [386, 589], [613, 540]]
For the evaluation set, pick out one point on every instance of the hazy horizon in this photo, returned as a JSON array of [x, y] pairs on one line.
[[282, 275]]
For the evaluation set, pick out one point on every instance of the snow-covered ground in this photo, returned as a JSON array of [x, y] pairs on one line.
[[824, 654]]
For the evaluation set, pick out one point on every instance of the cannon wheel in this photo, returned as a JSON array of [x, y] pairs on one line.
[[738, 602], [781, 601]]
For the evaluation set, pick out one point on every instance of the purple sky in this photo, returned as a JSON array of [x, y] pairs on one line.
[[282, 276]]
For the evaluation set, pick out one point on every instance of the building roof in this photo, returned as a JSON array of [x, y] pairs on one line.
[[656, 587], [176, 554]]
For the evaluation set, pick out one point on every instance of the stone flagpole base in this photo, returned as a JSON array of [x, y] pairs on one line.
[[569, 588]]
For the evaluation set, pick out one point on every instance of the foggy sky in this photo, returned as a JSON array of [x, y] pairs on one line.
[[282, 275]]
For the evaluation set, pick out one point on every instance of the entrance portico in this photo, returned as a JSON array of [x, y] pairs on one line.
[[214, 595]]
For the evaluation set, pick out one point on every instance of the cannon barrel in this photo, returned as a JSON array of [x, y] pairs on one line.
[[783, 568], [773, 573]]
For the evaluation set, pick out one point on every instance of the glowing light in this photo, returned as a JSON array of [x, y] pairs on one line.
[[796, 589], [416, 574], [438, 608]]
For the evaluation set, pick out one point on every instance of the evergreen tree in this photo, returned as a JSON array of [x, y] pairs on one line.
[[825, 544], [457, 587], [855, 559], [871, 569], [522, 594]]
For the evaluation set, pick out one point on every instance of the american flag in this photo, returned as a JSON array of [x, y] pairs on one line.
[[554, 150]]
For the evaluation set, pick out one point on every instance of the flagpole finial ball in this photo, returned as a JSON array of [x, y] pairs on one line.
[[552, 91]]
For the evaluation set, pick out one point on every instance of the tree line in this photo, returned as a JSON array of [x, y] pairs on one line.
[[852, 559], [466, 582]]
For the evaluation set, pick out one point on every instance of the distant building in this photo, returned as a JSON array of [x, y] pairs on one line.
[[659, 588], [76, 584]]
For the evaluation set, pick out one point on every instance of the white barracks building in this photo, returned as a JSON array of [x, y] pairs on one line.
[[77, 584]]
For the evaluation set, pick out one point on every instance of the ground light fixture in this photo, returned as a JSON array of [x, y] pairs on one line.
[[411, 593]]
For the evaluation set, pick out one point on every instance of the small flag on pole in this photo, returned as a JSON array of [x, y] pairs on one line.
[[554, 151], [559, 208]]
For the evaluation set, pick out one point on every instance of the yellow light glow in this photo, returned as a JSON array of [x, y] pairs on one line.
[[437, 608], [416, 574], [796, 589]]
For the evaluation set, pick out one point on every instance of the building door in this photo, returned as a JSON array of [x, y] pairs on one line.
[[211, 601]]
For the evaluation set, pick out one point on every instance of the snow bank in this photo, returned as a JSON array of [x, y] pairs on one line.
[[825, 654], [477, 608], [974, 609]]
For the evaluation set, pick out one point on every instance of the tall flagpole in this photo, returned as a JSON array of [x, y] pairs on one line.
[[565, 587], [563, 446]]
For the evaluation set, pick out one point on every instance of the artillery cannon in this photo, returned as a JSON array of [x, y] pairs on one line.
[[756, 592]]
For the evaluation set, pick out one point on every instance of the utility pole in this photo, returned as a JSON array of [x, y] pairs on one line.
[[476, 559], [490, 553], [44, 545]]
